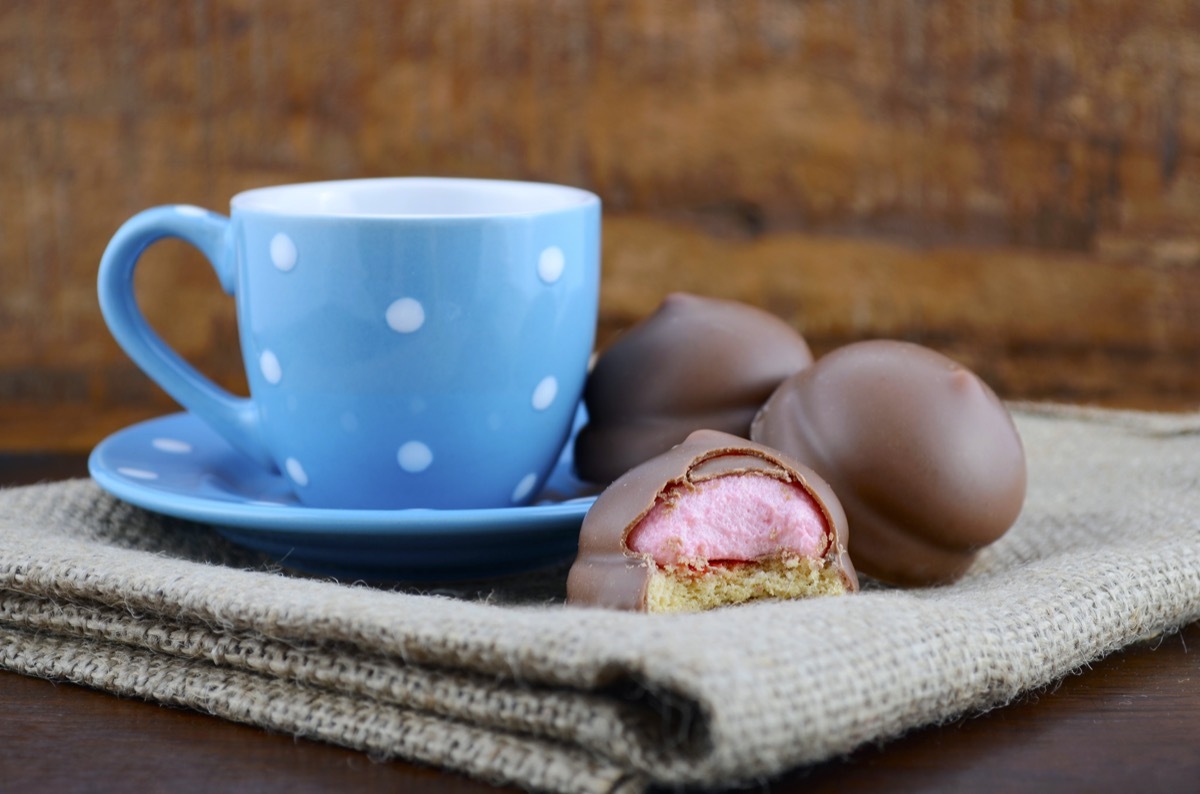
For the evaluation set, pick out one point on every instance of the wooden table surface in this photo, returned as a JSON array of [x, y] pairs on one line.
[[1130, 722]]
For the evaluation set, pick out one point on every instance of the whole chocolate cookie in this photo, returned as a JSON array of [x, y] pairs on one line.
[[694, 363], [924, 457]]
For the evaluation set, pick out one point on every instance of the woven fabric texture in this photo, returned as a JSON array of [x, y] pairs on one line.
[[500, 681]]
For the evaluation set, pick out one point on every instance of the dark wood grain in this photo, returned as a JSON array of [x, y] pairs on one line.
[[1014, 183], [1129, 722]]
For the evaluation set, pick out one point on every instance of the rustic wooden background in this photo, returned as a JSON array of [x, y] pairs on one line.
[[1015, 183]]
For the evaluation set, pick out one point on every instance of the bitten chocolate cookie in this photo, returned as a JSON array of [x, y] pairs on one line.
[[694, 363], [716, 520], [922, 454]]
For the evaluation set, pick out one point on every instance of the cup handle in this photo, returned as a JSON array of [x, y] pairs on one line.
[[235, 418]]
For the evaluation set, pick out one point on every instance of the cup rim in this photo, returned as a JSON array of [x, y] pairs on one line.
[[508, 198]]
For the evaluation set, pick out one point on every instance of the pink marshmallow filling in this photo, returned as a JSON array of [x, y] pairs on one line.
[[736, 518]]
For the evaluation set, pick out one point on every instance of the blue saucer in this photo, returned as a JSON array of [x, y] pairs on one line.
[[177, 466]]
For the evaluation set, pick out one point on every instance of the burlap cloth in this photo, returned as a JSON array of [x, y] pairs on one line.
[[503, 683]]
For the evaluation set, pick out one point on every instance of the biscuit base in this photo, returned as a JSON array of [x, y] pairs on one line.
[[682, 589]]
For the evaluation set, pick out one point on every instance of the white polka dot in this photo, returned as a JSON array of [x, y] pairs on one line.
[[405, 315], [524, 487], [349, 422], [296, 471], [283, 252], [137, 474], [172, 445], [414, 457], [545, 393], [189, 210], [550, 264], [269, 364]]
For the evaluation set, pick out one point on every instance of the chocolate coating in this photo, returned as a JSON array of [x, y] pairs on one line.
[[607, 573], [924, 457], [694, 363]]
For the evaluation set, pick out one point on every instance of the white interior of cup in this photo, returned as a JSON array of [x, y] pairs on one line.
[[413, 197]]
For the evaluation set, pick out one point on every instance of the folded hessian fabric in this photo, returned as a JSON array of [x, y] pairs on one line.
[[500, 681]]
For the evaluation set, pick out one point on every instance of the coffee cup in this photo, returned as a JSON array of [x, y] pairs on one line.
[[408, 342]]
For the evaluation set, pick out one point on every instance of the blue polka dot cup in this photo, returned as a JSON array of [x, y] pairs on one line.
[[410, 342]]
